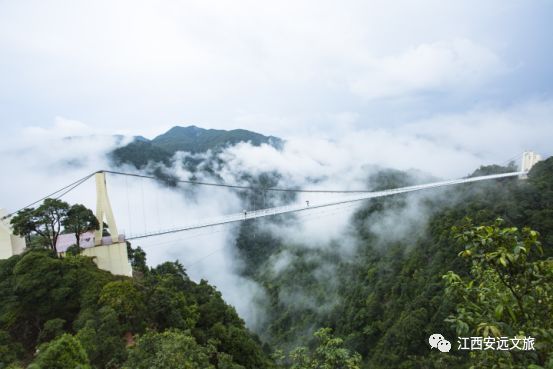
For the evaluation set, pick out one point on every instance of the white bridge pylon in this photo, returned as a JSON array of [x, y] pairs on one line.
[[346, 198]]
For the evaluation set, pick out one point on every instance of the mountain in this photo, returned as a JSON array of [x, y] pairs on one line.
[[195, 140], [67, 313], [458, 262], [402, 272], [190, 139]]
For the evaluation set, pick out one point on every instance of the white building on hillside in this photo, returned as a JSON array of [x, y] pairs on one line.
[[10, 244]]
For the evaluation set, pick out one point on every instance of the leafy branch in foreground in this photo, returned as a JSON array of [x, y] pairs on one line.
[[508, 293]]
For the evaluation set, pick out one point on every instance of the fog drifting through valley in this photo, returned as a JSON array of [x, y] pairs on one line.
[[37, 163]]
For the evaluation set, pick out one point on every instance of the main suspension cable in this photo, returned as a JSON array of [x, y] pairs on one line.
[[253, 188], [67, 189]]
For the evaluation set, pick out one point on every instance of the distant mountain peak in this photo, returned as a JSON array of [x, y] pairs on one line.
[[192, 139], [191, 128], [195, 139]]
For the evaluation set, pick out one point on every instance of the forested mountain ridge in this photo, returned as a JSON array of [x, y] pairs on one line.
[[405, 268], [66, 313], [387, 294], [189, 139]]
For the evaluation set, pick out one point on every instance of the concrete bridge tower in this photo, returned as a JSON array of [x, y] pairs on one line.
[[110, 252], [529, 159]]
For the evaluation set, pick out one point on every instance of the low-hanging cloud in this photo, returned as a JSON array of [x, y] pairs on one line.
[[450, 146], [456, 65]]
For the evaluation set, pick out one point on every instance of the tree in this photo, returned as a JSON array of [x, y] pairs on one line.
[[79, 220], [128, 300], [169, 307], [137, 257], [171, 349], [509, 292], [50, 219], [10, 350], [328, 354], [102, 338], [51, 330], [44, 221], [64, 352], [23, 224]]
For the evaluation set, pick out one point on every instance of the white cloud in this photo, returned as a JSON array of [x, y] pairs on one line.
[[439, 66], [62, 127], [138, 65], [446, 145], [449, 146], [491, 133]]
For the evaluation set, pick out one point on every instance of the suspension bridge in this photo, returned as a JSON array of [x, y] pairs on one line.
[[326, 198]]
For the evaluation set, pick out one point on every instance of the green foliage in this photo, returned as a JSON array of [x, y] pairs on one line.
[[168, 350], [51, 329], [10, 350], [44, 297], [494, 169], [169, 306], [385, 295], [80, 219], [137, 257], [328, 353], [139, 153], [193, 139], [64, 352], [506, 294], [102, 337], [190, 139], [45, 221], [127, 299], [382, 298]]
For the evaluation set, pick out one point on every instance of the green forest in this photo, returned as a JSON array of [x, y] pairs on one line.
[[480, 266], [471, 260]]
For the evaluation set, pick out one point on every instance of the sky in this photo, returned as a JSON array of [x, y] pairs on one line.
[[286, 68]]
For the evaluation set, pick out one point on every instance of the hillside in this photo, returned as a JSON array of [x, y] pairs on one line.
[[190, 139], [458, 261], [382, 288], [50, 304]]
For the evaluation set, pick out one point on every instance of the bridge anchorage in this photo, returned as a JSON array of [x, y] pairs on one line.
[[108, 248]]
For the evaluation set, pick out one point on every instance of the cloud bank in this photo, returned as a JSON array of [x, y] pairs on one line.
[[292, 66], [41, 160]]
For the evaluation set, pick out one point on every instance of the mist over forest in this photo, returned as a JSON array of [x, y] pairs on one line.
[[369, 272]]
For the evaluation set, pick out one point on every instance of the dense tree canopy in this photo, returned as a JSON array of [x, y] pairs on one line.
[[65, 352], [43, 225], [386, 295], [50, 303], [415, 265]]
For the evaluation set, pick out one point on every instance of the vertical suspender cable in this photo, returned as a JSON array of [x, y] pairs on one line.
[[128, 205], [157, 208], [143, 207]]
